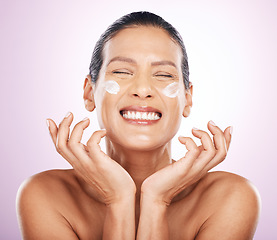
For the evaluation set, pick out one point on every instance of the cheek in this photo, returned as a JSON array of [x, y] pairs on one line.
[[175, 95], [171, 90], [105, 111], [111, 87], [105, 97]]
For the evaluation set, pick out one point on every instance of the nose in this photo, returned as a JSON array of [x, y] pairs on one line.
[[142, 88]]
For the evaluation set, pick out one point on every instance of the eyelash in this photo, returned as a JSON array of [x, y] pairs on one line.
[[157, 75], [120, 72], [164, 75]]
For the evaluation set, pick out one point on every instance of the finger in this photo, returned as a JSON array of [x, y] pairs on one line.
[[92, 149], [53, 130], [184, 164], [78, 130], [63, 132], [220, 145], [207, 145], [218, 137], [62, 140], [228, 136], [205, 139], [96, 138], [93, 144], [193, 151], [188, 142], [74, 143]]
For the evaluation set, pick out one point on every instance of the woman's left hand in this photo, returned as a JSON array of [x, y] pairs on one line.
[[165, 184]]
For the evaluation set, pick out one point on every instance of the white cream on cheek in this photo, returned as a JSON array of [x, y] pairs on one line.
[[171, 90], [112, 87]]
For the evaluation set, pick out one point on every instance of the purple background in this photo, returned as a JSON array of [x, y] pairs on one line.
[[45, 53]]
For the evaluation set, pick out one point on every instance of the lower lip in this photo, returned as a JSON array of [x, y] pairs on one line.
[[140, 121]]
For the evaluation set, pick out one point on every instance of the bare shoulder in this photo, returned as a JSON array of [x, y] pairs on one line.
[[43, 203], [225, 185], [233, 206], [47, 184], [45, 191]]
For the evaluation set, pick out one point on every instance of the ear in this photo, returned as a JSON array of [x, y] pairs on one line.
[[88, 94], [188, 105]]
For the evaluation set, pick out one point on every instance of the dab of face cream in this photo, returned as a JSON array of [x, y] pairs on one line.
[[112, 87], [171, 90]]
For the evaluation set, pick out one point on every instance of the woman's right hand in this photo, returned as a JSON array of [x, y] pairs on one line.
[[111, 181]]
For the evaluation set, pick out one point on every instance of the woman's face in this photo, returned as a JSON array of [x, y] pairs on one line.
[[140, 95]]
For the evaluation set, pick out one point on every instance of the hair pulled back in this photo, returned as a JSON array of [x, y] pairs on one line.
[[136, 19]]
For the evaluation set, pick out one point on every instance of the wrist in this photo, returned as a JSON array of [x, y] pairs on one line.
[[120, 214], [150, 204], [153, 223], [154, 201], [128, 200]]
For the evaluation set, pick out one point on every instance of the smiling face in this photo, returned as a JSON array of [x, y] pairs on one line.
[[140, 94]]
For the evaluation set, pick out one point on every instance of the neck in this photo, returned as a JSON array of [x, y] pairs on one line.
[[140, 164]]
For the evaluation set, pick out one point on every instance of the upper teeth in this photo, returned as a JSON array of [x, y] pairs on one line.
[[141, 115]]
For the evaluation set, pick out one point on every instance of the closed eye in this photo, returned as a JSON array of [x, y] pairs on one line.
[[164, 75], [122, 72]]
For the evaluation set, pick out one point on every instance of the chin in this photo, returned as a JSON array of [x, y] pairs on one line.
[[141, 142]]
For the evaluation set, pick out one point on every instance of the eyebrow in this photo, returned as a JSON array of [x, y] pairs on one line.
[[132, 61], [122, 59], [158, 63]]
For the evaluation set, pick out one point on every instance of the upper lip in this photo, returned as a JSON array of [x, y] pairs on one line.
[[141, 109]]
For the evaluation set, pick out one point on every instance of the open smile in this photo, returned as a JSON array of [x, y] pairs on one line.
[[141, 115]]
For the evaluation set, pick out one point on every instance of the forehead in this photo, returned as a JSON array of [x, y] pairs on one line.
[[143, 43]]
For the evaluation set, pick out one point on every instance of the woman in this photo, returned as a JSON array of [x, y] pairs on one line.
[[139, 86]]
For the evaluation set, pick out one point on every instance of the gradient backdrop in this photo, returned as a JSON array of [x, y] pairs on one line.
[[45, 53]]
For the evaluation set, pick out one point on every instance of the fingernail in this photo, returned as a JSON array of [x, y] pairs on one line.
[[67, 115], [194, 128], [231, 130], [211, 122], [86, 118], [47, 123]]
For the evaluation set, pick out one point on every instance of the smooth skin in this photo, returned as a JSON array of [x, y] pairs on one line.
[[135, 190]]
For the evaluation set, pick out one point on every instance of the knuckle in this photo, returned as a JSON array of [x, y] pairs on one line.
[[89, 167], [223, 154], [59, 146], [195, 151], [90, 144], [212, 153], [58, 149], [70, 144]]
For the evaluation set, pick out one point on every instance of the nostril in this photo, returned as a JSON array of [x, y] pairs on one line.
[[142, 95]]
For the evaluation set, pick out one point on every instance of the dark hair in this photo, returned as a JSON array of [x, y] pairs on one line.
[[136, 19]]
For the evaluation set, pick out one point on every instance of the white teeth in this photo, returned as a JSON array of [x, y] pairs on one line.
[[144, 116], [141, 115], [138, 116]]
